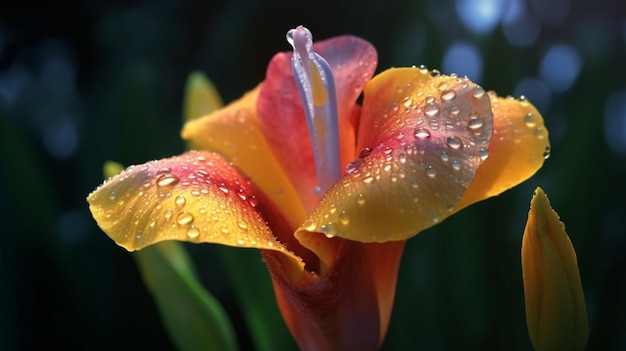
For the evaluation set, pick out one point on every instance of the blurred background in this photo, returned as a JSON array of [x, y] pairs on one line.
[[82, 82]]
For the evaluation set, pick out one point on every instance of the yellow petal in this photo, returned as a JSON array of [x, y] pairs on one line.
[[555, 305], [519, 145], [195, 197], [201, 97], [234, 132], [423, 139]]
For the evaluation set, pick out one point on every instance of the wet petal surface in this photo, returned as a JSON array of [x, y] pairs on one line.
[[423, 138], [518, 148], [195, 197]]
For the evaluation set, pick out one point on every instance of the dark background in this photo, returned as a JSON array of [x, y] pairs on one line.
[[82, 82]]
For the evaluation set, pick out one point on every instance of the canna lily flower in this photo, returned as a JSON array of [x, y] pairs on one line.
[[555, 304], [326, 188]]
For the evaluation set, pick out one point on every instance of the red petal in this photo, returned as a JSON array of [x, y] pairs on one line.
[[348, 308]]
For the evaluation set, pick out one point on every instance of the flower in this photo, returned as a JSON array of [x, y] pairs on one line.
[[555, 304], [329, 202]]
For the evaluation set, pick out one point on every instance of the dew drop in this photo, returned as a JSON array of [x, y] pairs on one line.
[[224, 230], [431, 110], [414, 184], [479, 92], [483, 153], [456, 165], [310, 227], [184, 218], [455, 109], [435, 73], [444, 156], [252, 200], [138, 235], [402, 157], [343, 218], [540, 133], [422, 133], [360, 199], [365, 152], [193, 232], [242, 224], [328, 229], [240, 242], [448, 95], [435, 219], [180, 200], [112, 195], [223, 188], [368, 179], [431, 172], [546, 152], [407, 102], [423, 69], [475, 123], [454, 142], [167, 215], [530, 120], [167, 179]]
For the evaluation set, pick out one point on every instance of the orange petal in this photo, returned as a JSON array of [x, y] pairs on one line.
[[234, 132], [423, 138], [195, 197], [519, 145]]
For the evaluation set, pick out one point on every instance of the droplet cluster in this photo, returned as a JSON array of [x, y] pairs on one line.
[[196, 197]]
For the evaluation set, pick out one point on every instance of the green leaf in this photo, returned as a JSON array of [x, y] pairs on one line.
[[194, 319]]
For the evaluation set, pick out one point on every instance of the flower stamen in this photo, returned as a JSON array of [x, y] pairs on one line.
[[314, 78]]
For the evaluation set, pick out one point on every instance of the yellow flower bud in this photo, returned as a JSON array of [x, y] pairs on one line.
[[555, 305]]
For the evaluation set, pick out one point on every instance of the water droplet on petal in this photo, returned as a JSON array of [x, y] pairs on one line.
[[360, 199], [184, 218], [448, 95], [343, 218], [242, 224], [368, 179], [456, 165], [240, 241], [112, 195], [431, 110], [435, 73], [444, 156], [193, 232], [365, 152], [483, 153], [167, 215], [180, 200], [540, 133], [422, 133], [223, 188], [479, 92], [455, 109], [328, 229], [546, 152], [167, 179], [435, 219], [475, 123], [310, 227], [530, 120], [252, 200], [431, 172], [454, 142]]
